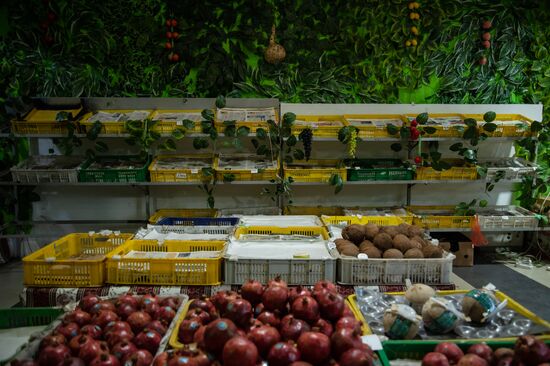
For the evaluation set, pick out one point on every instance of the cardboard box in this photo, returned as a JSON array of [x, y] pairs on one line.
[[460, 246]]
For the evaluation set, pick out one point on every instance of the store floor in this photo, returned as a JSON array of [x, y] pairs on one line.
[[530, 287]]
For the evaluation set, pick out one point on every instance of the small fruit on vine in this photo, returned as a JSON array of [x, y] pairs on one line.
[[52, 17], [414, 30], [168, 45], [416, 5], [418, 160], [175, 35], [47, 39], [168, 22], [487, 24], [414, 123], [411, 5], [175, 57], [483, 61], [486, 44], [414, 42], [412, 16], [168, 35], [486, 36], [408, 43], [174, 23], [44, 25], [414, 133]]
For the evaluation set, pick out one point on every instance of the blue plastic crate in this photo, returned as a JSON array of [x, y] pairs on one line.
[[199, 221]]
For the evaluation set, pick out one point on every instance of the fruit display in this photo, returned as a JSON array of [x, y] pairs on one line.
[[127, 330], [275, 323], [390, 242], [527, 351]]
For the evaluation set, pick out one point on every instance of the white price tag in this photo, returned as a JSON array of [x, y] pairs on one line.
[[331, 245], [181, 175], [505, 218], [179, 123], [372, 341], [194, 171], [253, 171]]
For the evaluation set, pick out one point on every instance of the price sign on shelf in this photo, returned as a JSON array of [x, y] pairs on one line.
[[181, 175]]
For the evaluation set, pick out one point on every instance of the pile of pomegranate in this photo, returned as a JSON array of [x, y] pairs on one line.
[[528, 351], [281, 325], [122, 331]]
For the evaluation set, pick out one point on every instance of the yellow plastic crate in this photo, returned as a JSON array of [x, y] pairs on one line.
[[455, 130], [252, 124], [322, 125], [313, 210], [505, 125], [374, 125], [456, 172], [351, 301], [42, 121], [113, 127], [182, 212], [165, 271], [290, 230], [182, 174], [173, 341], [363, 220], [246, 174], [314, 170], [512, 304], [439, 217], [58, 265], [165, 125]]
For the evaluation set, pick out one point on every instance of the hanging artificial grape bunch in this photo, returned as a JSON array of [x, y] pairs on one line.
[[352, 143], [306, 136]]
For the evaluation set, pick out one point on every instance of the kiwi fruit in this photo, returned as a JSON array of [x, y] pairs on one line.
[[350, 250], [415, 244], [366, 244], [403, 229], [342, 242], [390, 230], [414, 253], [401, 242], [415, 230], [383, 241], [432, 251], [354, 233], [372, 252], [371, 230], [393, 254]]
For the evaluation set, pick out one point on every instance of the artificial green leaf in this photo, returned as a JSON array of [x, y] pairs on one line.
[[483, 203], [208, 115], [288, 159], [101, 146], [262, 150], [169, 145], [422, 118], [289, 118], [299, 155], [481, 171], [228, 177], [470, 155], [220, 101], [213, 134], [255, 143], [489, 127], [200, 143], [229, 131], [470, 122], [536, 126], [469, 133], [211, 201], [435, 155], [94, 131], [230, 123], [396, 147], [188, 124], [405, 133], [429, 130], [208, 172], [261, 133], [291, 140], [489, 117], [63, 116], [178, 133], [243, 131], [392, 129], [456, 147]]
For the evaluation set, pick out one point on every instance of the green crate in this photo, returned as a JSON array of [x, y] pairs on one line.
[[114, 175], [28, 317], [378, 169], [416, 350]]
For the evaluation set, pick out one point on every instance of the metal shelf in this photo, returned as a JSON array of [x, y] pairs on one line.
[[503, 230], [385, 182]]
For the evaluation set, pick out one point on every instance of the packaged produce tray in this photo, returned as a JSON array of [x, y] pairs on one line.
[[167, 120], [313, 231], [300, 269], [205, 230], [245, 167], [510, 168], [314, 170], [439, 217], [47, 169], [180, 168], [280, 221], [43, 121], [507, 217], [199, 221], [374, 125], [114, 169], [314, 210], [508, 125], [179, 268], [458, 171], [322, 126], [182, 213], [378, 169], [75, 260], [113, 120], [446, 125], [383, 216], [537, 324], [253, 118]]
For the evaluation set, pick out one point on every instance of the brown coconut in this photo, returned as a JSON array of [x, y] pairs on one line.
[[393, 254], [366, 244], [350, 250], [383, 241], [390, 230], [414, 253], [414, 244], [342, 242], [403, 229], [371, 230], [372, 252], [432, 251], [354, 233], [401, 242], [415, 231]]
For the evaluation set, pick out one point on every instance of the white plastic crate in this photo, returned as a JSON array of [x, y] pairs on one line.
[[510, 217], [212, 230], [354, 271], [47, 169], [513, 168]]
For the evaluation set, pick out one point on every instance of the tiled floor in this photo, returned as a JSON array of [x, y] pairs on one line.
[[11, 283]]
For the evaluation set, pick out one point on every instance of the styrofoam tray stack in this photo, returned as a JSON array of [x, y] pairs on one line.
[[238, 249]]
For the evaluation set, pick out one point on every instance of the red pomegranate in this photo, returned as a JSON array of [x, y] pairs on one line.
[[452, 351], [435, 359], [161, 359], [343, 339], [348, 322], [68, 330], [104, 317], [165, 314], [530, 350], [71, 361], [325, 285], [105, 360], [264, 337], [203, 304], [239, 311], [283, 354], [88, 302], [314, 347], [92, 330], [323, 326], [200, 315], [147, 299], [258, 309], [148, 340], [182, 361], [198, 338], [277, 281], [123, 349], [173, 302], [125, 310], [91, 350], [150, 308], [356, 357], [239, 351], [138, 321], [141, 357], [252, 291], [292, 328], [102, 305], [127, 299], [187, 329], [331, 305], [202, 359], [296, 292], [117, 336], [116, 325], [79, 317], [53, 339], [305, 308], [347, 312], [157, 326], [54, 355], [483, 351], [77, 342], [25, 362], [268, 317], [300, 363], [222, 298], [275, 298], [474, 360], [217, 333]]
